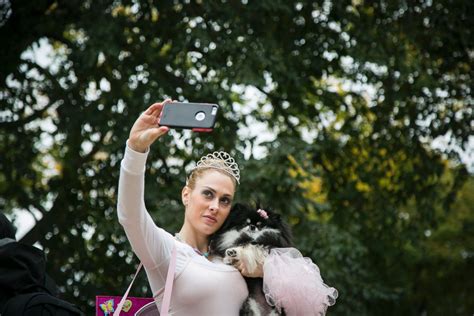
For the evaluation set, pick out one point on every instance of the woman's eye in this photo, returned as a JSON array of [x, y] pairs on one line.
[[225, 201], [207, 193]]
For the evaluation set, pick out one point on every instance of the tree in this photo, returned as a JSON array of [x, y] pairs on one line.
[[353, 92]]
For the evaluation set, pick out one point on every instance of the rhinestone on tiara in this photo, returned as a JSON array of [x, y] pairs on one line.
[[222, 161]]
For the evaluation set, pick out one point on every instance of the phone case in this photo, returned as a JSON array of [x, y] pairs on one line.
[[199, 117]]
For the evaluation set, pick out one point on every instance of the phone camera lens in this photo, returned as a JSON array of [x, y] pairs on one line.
[[200, 116]]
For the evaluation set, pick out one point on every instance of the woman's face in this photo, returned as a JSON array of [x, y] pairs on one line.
[[208, 203]]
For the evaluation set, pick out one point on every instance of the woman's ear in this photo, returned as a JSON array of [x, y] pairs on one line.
[[185, 195]]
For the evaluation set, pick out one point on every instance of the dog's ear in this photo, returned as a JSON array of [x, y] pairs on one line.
[[237, 207], [274, 215], [260, 205]]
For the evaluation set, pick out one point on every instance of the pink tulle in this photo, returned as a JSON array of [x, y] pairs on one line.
[[293, 282]]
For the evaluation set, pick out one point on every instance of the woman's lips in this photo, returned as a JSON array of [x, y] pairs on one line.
[[210, 219]]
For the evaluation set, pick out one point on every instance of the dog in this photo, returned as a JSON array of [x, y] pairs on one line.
[[248, 235]]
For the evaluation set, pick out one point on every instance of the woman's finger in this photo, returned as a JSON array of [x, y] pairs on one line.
[[155, 109], [157, 132], [149, 119], [152, 108]]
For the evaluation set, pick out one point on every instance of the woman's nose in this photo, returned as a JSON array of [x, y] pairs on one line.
[[214, 205]]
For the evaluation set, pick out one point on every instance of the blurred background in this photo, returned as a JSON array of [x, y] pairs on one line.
[[354, 119]]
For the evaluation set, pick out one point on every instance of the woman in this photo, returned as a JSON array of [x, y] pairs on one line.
[[201, 287]]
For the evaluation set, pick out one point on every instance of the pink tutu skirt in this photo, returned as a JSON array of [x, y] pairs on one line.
[[294, 283]]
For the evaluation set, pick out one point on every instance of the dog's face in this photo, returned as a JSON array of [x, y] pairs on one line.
[[246, 225]]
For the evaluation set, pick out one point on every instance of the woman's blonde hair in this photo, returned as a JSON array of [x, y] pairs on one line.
[[199, 172], [218, 160]]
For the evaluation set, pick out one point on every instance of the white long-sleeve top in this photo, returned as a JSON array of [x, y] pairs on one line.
[[201, 287]]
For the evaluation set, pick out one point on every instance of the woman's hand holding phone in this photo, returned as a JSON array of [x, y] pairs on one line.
[[145, 131]]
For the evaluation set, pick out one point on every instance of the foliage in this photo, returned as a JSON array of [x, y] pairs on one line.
[[353, 92]]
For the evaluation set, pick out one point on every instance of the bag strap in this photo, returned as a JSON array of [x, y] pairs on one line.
[[168, 286], [165, 306], [124, 297]]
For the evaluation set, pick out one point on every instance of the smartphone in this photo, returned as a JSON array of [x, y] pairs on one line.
[[199, 117]]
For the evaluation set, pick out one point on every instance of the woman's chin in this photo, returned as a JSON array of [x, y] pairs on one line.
[[208, 230]]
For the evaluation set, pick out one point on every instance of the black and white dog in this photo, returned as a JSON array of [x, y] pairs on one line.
[[247, 235]]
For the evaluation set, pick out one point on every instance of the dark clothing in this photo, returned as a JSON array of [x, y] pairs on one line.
[[7, 230], [22, 270], [35, 304], [25, 288]]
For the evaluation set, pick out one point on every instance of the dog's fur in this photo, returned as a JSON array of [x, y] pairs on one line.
[[246, 236]]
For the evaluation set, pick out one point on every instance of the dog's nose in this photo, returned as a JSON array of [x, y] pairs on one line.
[[253, 227], [231, 253]]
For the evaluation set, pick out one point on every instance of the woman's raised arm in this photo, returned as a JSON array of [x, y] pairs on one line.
[[132, 213]]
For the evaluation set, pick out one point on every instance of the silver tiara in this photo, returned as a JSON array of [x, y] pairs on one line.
[[222, 161]]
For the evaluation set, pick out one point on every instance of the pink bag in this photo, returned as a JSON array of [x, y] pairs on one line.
[[105, 305]]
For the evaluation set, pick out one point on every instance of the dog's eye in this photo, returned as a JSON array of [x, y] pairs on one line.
[[248, 221], [259, 224]]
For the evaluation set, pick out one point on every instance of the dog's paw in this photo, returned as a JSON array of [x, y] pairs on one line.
[[230, 256], [231, 252]]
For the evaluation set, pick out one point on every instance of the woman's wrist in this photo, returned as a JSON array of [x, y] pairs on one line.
[[134, 161], [136, 147]]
